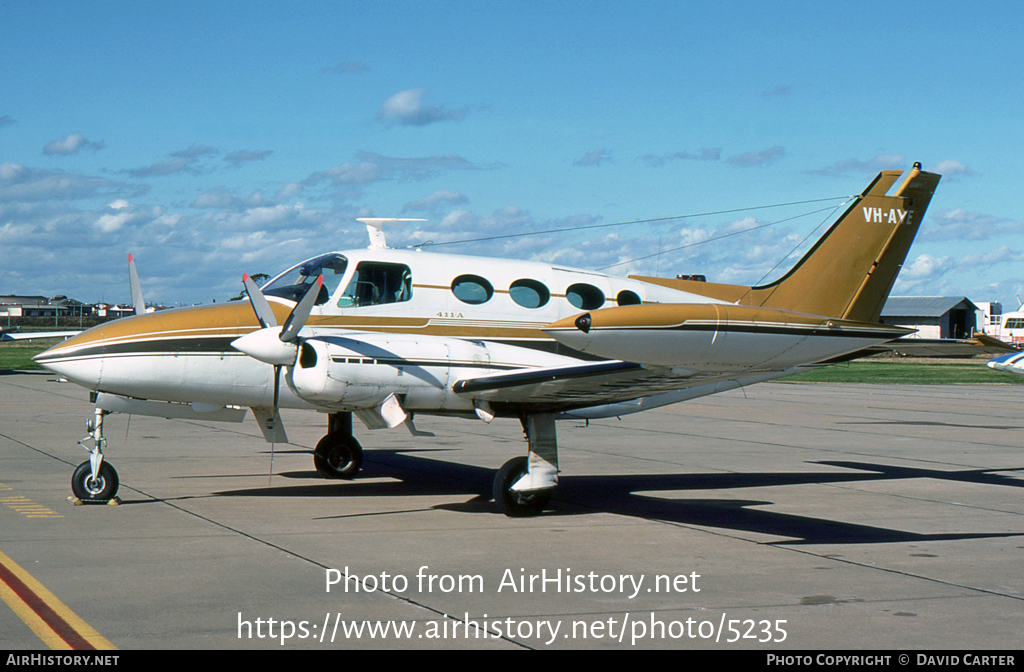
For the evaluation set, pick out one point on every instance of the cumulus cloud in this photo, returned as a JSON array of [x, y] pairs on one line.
[[121, 213], [71, 144], [964, 225], [705, 154], [406, 108], [594, 158], [21, 184], [1000, 255], [847, 167], [287, 191], [765, 157], [950, 168]]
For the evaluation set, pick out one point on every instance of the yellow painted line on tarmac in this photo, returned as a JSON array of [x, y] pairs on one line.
[[48, 617], [26, 506]]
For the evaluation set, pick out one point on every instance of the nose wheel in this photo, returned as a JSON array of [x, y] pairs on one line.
[[101, 487], [95, 480]]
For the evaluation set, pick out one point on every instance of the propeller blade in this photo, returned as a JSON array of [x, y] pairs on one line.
[[277, 418], [136, 287], [300, 313], [259, 303]]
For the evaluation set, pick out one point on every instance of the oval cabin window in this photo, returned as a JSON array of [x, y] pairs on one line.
[[529, 293], [628, 298], [585, 297], [472, 289]]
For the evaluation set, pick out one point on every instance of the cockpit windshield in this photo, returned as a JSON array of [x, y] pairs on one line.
[[292, 284]]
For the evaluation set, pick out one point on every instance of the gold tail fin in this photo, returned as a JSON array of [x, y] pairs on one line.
[[850, 271]]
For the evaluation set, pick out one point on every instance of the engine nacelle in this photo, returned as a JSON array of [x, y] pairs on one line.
[[349, 374]]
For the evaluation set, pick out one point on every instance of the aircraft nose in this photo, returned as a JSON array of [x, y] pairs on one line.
[[1003, 362], [81, 370]]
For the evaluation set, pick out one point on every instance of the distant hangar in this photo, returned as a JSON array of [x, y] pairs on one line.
[[933, 316]]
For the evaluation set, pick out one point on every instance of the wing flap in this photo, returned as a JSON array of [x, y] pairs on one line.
[[585, 385]]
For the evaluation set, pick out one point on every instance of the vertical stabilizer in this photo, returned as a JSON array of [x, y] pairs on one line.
[[850, 271]]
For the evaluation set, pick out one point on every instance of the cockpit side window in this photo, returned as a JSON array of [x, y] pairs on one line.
[[292, 284], [375, 283]]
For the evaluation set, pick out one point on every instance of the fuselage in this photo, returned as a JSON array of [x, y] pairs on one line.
[[497, 307], [412, 324]]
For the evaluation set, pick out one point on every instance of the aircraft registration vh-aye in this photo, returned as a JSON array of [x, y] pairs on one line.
[[385, 334]]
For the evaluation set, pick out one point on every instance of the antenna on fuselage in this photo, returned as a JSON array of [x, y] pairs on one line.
[[375, 227]]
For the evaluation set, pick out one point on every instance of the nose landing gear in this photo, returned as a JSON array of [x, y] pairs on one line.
[[95, 481]]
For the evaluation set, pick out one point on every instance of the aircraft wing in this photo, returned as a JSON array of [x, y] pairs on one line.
[[28, 335], [592, 384]]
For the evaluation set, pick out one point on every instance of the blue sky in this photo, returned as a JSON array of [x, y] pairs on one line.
[[215, 138]]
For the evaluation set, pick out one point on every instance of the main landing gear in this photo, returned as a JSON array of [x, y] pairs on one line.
[[338, 454], [523, 486], [95, 480]]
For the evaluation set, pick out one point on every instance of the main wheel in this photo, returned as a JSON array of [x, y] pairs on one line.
[[518, 504], [338, 457], [102, 488]]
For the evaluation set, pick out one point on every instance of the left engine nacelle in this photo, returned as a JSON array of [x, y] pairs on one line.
[[351, 374]]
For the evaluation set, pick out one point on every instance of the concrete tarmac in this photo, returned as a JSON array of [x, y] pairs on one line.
[[784, 516]]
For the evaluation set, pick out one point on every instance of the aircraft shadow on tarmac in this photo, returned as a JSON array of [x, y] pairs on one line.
[[629, 495]]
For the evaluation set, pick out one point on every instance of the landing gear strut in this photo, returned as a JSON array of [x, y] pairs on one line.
[[523, 486], [338, 454], [95, 480]]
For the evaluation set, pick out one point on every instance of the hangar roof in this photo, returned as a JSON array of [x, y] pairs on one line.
[[924, 306]]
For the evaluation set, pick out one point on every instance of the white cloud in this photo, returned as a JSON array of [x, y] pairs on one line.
[[21, 184], [964, 225], [950, 168], [71, 144], [287, 191], [121, 213], [406, 108]]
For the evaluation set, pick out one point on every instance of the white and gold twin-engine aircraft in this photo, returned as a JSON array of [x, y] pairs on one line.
[[386, 334]]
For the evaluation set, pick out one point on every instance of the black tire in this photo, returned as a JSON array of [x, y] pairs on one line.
[[102, 488], [517, 504], [338, 457]]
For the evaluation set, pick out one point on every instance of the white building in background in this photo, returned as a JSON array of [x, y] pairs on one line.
[[990, 317]]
